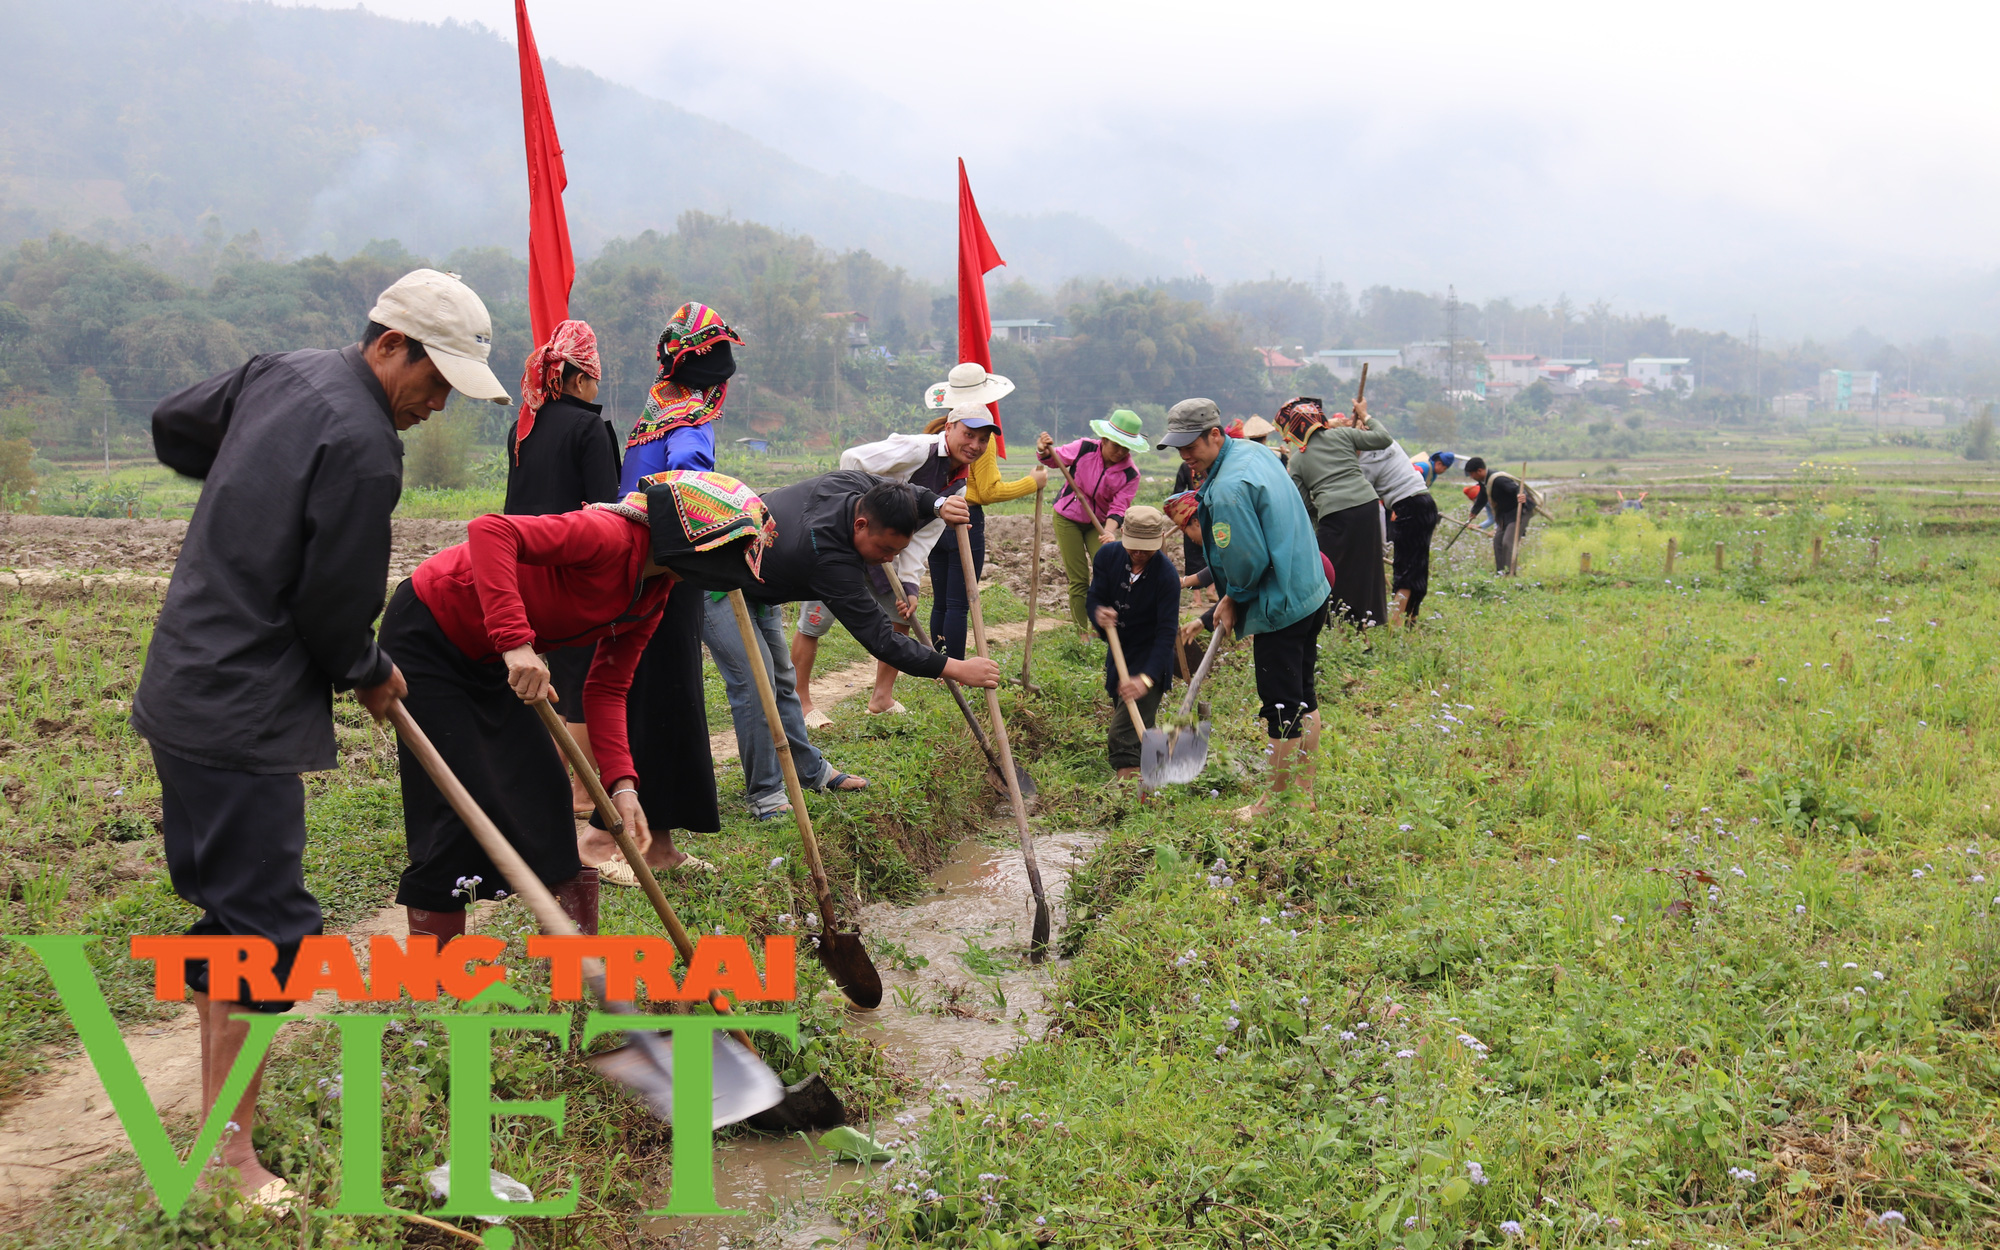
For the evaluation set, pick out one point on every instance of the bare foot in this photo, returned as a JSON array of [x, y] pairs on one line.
[[664, 854], [594, 846], [251, 1175], [1125, 774], [850, 781]]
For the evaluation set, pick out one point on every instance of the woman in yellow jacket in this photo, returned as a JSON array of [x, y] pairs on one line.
[[983, 486]]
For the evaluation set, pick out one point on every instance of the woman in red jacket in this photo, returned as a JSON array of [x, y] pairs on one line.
[[469, 629]]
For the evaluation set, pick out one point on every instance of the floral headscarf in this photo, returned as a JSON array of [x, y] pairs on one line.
[[571, 343], [1181, 508], [694, 330]]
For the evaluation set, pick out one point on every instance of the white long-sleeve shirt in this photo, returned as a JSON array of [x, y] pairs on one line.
[[1390, 472], [898, 457]]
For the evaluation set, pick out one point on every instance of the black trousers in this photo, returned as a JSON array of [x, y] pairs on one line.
[[235, 845], [1287, 665], [949, 604], [1123, 740], [1507, 537], [497, 748], [1411, 523], [666, 717], [1352, 539]]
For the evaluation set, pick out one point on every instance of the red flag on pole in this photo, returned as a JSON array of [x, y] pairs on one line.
[[551, 265], [976, 255]]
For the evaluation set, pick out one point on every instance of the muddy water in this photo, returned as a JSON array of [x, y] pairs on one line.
[[939, 1022]]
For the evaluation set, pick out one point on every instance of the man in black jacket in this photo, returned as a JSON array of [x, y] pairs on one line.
[[1135, 587], [831, 528], [270, 611]]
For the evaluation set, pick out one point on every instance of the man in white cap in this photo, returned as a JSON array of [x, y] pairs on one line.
[[938, 464], [270, 611]]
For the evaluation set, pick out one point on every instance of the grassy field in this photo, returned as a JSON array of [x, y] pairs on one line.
[[1638, 909]]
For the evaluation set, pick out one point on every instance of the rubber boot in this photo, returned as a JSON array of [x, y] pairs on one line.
[[443, 925], [578, 899]]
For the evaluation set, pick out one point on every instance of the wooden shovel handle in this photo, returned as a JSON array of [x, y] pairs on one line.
[[1118, 657], [1084, 500], [608, 813]]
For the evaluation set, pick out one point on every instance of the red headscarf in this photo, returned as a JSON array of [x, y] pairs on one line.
[[572, 343]]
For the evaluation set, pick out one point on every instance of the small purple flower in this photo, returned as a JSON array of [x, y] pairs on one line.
[[1511, 1228]]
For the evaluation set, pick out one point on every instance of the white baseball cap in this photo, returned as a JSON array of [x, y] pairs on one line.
[[443, 314]]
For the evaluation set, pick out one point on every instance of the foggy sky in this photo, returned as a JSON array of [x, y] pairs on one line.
[[1820, 165]]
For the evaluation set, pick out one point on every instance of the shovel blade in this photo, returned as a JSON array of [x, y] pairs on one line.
[[847, 962], [740, 1084], [1172, 758], [1021, 778], [811, 1106]]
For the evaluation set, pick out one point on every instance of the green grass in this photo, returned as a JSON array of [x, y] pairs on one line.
[[1583, 845]]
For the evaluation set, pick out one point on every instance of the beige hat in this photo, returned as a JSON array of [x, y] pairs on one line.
[[1145, 528], [968, 383], [1258, 427], [443, 314]]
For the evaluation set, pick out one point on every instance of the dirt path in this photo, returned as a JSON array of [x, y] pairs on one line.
[[67, 1123]]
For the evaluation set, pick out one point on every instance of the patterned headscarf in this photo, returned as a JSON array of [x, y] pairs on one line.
[[1180, 508], [572, 343], [711, 510], [694, 329], [1300, 417]]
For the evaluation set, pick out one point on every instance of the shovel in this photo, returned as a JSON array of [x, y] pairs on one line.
[[1084, 500], [993, 774], [1118, 656], [808, 1106], [842, 954], [743, 1085], [1038, 939], [1028, 647], [1174, 756]]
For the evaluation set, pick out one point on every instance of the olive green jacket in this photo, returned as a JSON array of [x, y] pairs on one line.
[[1327, 470]]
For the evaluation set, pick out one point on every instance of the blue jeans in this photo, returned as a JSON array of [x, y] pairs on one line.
[[763, 780]]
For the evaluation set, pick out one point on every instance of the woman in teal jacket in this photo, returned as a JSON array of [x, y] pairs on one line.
[[1259, 543]]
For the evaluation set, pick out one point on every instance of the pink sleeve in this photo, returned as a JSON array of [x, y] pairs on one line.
[[604, 693], [1064, 455], [1123, 499], [500, 545]]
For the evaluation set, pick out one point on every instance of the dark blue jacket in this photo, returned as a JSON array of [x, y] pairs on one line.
[[1148, 613]]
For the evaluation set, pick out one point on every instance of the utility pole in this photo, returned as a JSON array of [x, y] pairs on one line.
[[1756, 365], [1451, 387]]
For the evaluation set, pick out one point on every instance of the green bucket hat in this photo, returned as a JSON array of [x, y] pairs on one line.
[[1123, 428]]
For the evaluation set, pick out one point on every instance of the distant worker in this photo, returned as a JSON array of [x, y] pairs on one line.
[[1435, 465], [1135, 587], [1103, 471], [1326, 470], [969, 384], [1632, 505], [1413, 518], [1511, 502]]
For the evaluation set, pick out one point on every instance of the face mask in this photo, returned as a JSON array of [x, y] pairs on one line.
[[710, 368]]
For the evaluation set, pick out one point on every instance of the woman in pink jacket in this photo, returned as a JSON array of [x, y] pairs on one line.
[[1103, 471]]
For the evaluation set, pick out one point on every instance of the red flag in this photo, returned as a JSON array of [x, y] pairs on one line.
[[551, 265], [976, 255]]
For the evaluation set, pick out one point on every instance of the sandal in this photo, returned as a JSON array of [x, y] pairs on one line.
[[895, 708], [817, 719], [275, 1197], [775, 813], [695, 863], [617, 872], [839, 782]]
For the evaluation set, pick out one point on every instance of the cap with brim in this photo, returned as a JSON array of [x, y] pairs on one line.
[[968, 383], [972, 416], [1189, 420], [1123, 429], [1144, 529], [443, 314]]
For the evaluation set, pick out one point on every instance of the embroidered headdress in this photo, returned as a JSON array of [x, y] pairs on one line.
[[695, 365], [707, 527]]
